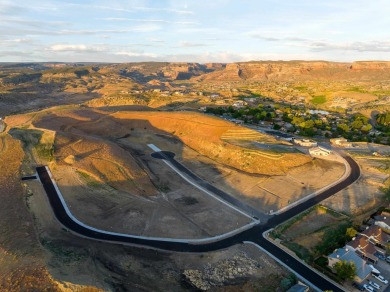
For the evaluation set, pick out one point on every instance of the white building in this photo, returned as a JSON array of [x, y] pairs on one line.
[[306, 142], [319, 151]]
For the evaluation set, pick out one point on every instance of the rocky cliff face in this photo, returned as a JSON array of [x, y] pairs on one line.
[[300, 70], [144, 72], [381, 66]]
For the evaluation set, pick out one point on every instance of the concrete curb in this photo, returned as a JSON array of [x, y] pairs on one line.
[[300, 277], [189, 241], [183, 176], [308, 197], [266, 237]]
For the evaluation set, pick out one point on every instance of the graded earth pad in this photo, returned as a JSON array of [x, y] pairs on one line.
[[105, 170], [365, 195]]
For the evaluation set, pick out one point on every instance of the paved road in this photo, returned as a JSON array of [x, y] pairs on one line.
[[253, 234], [248, 210]]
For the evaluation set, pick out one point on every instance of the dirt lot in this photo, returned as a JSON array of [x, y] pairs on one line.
[[22, 264], [105, 171], [75, 262], [365, 194], [304, 233], [104, 168], [266, 193], [37, 254]]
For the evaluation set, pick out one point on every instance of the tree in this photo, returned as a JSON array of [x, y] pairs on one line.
[[383, 119], [357, 124], [289, 281], [343, 128], [366, 128], [351, 232], [345, 270]]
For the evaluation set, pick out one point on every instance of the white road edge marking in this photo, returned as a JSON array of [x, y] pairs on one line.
[[155, 148]]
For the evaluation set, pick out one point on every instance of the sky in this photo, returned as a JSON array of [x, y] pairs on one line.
[[193, 31]]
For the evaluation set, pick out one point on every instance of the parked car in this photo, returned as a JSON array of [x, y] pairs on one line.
[[380, 278], [375, 285], [374, 270], [358, 286], [388, 259], [368, 288], [380, 256]]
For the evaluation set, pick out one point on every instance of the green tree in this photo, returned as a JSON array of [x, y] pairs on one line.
[[345, 270], [357, 124], [351, 232], [343, 128], [297, 120], [366, 128], [289, 281], [383, 119]]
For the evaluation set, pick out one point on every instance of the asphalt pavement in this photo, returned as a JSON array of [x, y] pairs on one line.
[[253, 234]]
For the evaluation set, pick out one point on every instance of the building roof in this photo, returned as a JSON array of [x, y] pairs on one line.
[[346, 254], [298, 288], [384, 219], [375, 233], [363, 246]]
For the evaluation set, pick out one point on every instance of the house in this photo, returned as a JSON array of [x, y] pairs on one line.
[[377, 236], [299, 287], [364, 248], [363, 270], [306, 142], [341, 142], [383, 222], [319, 151], [239, 104], [237, 121], [250, 99]]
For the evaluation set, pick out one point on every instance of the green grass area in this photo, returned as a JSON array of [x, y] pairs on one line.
[[356, 89], [302, 252], [45, 151], [301, 88], [330, 211], [31, 139], [319, 99], [333, 234], [334, 237], [277, 232], [66, 255], [89, 180]]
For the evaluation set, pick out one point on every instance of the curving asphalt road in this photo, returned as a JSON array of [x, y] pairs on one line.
[[253, 234], [247, 210]]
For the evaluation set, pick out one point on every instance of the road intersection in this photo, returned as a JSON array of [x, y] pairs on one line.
[[251, 233]]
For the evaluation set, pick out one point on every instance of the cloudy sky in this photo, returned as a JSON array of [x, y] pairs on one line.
[[194, 30]]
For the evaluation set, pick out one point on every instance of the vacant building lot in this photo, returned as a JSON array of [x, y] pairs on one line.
[[364, 195], [105, 171], [312, 232]]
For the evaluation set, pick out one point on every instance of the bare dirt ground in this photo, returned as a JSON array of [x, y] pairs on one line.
[[365, 194], [22, 265], [75, 262], [105, 171], [110, 181], [267, 193], [309, 231]]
